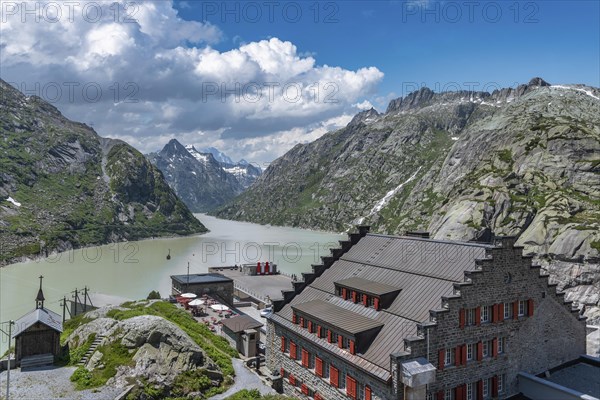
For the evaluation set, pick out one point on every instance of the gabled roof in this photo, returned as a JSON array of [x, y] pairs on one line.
[[367, 286], [43, 315], [241, 323], [336, 316], [424, 269]]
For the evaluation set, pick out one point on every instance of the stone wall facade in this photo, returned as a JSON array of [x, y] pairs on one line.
[[551, 334]]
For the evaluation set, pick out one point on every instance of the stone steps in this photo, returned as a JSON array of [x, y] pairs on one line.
[[90, 351], [37, 361]]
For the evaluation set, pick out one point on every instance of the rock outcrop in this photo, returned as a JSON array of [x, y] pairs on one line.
[[162, 350]]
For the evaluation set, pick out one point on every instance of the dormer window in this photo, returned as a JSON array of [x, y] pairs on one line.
[[343, 328], [369, 293]]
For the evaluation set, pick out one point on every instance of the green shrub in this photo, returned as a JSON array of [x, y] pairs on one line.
[[191, 381], [154, 295]]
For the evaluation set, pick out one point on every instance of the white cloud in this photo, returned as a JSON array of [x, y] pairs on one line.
[[364, 105], [159, 77]]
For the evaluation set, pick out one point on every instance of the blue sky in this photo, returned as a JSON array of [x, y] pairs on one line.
[[255, 78], [432, 42]]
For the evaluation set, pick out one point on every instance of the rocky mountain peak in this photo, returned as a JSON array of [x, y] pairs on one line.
[[364, 116], [537, 81], [174, 147]]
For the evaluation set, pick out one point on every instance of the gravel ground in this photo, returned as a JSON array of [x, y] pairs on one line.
[[49, 383], [244, 379]]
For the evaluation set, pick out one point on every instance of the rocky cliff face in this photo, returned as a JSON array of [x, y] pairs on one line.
[[62, 186], [461, 165], [197, 178]]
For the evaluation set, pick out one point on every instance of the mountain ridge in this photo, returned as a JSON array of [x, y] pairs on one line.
[[74, 188], [460, 165]]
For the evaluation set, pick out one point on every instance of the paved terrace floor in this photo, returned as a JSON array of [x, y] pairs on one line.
[[258, 286]]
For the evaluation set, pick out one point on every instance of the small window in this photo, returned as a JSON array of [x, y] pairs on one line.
[[487, 347], [501, 379], [470, 351], [501, 345], [522, 308], [470, 391], [449, 394], [486, 388], [508, 311], [486, 312], [449, 357], [470, 314], [429, 396]]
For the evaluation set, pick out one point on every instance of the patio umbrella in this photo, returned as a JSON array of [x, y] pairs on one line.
[[189, 295], [219, 307], [196, 302]]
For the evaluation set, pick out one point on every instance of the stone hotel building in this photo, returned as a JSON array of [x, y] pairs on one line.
[[388, 317]]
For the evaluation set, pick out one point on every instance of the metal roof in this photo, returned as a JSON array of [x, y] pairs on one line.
[[424, 269], [43, 315], [241, 323], [201, 278], [336, 316], [367, 286]]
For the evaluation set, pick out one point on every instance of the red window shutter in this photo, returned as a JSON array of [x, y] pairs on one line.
[[304, 358], [282, 344], [376, 303], [478, 316], [318, 396], [464, 392], [351, 387], [367, 392], [340, 341], [329, 336], [365, 299], [458, 392], [480, 390], [354, 296], [441, 356], [292, 380], [319, 367], [333, 376], [344, 293], [479, 351], [457, 356], [293, 353], [495, 313], [461, 318], [495, 347], [282, 372], [530, 307], [440, 395], [494, 386], [304, 388], [310, 326], [352, 348], [302, 322], [294, 318], [500, 312], [319, 330], [516, 310], [464, 354]]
